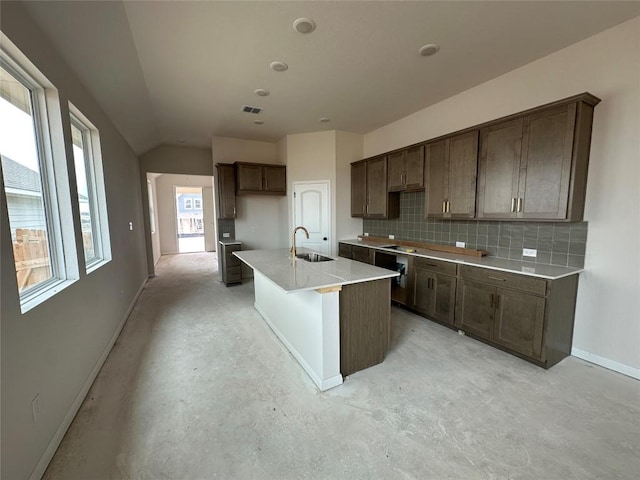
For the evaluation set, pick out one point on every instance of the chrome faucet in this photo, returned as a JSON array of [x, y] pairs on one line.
[[293, 240]]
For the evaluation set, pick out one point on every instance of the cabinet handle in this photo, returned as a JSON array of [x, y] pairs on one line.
[[448, 206], [402, 179], [513, 204], [519, 205], [498, 279], [491, 300], [364, 209], [444, 207], [234, 210]]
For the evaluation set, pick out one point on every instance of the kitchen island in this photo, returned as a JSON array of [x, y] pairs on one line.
[[333, 316]]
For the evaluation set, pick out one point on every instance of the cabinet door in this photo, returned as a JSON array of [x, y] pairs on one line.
[[358, 189], [249, 178], [344, 250], [474, 308], [436, 178], [275, 179], [377, 188], [396, 171], [444, 288], [414, 168], [519, 322], [463, 165], [226, 191], [545, 168], [422, 297], [499, 169]]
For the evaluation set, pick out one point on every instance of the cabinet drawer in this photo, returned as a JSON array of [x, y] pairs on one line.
[[537, 286], [232, 261], [344, 250], [362, 254], [438, 266], [233, 274]]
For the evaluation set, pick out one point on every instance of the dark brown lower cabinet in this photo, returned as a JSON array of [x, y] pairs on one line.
[[432, 288], [365, 325], [529, 317]]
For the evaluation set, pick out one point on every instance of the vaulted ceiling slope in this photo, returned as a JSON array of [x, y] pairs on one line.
[[180, 71]]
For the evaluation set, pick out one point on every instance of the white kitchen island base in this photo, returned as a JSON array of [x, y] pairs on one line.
[[308, 324], [333, 316]]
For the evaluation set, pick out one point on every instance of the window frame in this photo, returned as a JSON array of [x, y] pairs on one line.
[[196, 202], [52, 163], [188, 203], [96, 198]]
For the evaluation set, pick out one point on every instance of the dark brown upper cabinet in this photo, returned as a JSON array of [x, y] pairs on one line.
[[406, 170], [261, 179], [450, 176], [359, 189], [534, 166], [369, 196], [226, 187]]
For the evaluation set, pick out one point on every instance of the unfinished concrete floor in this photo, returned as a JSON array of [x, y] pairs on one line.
[[198, 387]]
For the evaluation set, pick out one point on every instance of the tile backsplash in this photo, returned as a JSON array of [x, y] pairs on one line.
[[561, 244]]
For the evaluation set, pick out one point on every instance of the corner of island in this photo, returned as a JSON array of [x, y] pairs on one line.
[[333, 316]]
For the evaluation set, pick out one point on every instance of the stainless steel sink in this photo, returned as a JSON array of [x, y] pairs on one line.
[[313, 257]]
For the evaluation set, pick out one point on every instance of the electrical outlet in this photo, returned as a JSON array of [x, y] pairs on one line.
[[461, 244], [130, 225], [366, 234], [529, 252], [36, 408], [226, 235], [392, 237]]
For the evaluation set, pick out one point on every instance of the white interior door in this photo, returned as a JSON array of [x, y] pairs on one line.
[[311, 210], [208, 218]]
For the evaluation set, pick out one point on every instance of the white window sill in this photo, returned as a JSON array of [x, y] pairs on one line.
[[36, 299]]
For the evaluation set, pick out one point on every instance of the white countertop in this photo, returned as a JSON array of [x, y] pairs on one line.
[[226, 241], [550, 272], [297, 275]]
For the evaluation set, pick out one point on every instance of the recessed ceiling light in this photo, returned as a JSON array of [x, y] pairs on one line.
[[279, 66], [324, 120], [261, 92], [429, 49], [304, 25], [258, 122]]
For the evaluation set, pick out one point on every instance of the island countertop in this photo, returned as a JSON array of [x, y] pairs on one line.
[[299, 275]]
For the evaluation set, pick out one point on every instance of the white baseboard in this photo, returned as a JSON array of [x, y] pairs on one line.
[[43, 463], [606, 363]]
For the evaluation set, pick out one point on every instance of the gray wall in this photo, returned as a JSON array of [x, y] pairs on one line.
[[169, 159], [55, 349]]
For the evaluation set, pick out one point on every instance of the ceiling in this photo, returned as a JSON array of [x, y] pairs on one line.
[[179, 72]]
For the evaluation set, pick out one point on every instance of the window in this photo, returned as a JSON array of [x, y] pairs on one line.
[[197, 204], [91, 203], [188, 203], [33, 182]]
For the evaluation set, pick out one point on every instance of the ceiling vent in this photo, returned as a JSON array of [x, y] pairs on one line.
[[250, 109]]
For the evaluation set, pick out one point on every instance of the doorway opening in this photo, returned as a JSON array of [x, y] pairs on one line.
[[189, 219]]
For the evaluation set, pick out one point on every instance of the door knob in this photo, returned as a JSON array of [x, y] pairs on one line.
[[324, 238]]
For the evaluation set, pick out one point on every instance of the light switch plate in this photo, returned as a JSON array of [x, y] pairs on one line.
[[461, 244], [529, 252]]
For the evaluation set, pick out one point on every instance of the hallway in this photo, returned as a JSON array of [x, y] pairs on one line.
[[198, 387]]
